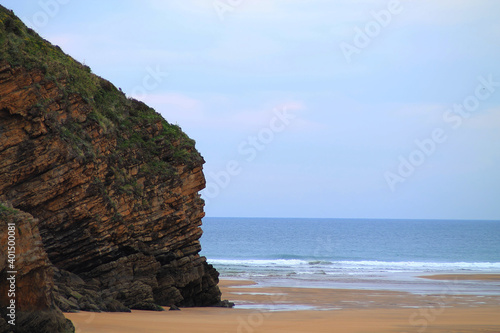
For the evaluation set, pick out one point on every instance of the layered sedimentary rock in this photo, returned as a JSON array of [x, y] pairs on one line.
[[113, 185], [27, 301]]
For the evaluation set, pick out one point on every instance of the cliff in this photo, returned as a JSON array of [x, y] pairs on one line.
[[114, 186], [34, 305]]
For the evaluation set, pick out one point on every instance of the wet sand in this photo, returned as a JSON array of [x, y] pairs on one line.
[[315, 310], [478, 277]]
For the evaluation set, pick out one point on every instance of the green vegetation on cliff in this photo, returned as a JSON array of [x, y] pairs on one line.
[[119, 117], [5, 210]]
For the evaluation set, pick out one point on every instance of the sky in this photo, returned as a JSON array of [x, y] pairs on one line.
[[310, 108]]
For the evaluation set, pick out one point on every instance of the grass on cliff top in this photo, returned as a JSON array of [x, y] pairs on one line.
[[116, 114], [22, 46]]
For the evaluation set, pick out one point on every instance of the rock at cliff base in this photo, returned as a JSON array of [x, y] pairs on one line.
[[31, 273]]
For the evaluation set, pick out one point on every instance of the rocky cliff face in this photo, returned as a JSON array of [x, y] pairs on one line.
[[33, 305], [113, 185]]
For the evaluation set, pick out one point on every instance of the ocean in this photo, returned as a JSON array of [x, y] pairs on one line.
[[354, 253]]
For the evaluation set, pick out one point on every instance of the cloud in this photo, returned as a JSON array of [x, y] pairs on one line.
[[485, 120], [251, 119], [176, 100], [244, 49], [224, 113], [421, 114], [177, 107], [192, 6], [446, 12]]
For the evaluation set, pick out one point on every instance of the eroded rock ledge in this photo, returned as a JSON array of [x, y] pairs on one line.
[[34, 306], [113, 185]]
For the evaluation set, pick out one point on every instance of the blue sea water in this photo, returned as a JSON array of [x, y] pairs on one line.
[[352, 253]]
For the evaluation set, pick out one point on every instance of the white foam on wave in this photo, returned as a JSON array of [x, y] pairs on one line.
[[357, 265], [417, 265]]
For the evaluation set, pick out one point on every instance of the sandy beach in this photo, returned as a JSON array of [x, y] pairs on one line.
[[313, 310]]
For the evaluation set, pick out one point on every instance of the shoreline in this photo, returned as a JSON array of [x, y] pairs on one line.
[[462, 277], [285, 309]]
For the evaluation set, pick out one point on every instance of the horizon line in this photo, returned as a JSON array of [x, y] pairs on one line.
[[353, 218]]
